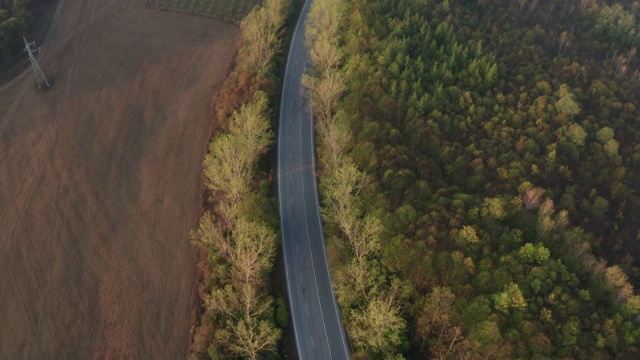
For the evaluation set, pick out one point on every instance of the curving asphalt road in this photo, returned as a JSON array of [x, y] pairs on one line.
[[315, 316]]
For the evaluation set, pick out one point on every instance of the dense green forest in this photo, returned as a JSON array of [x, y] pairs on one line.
[[16, 21], [479, 175]]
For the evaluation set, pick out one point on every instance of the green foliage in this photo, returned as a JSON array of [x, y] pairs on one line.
[[232, 156], [406, 215], [469, 235], [369, 298], [619, 24], [604, 135], [494, 208], [486, 337], [576, 133], [282, 315], [530, 253], [377, 327], [510, 298], [600, 207], [260, 32], [476, 312], [566, 104], [497, 141]]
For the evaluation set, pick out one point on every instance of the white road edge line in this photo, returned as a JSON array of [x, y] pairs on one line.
[[299, 24], [315, 279], [315, 185], [281, 186]]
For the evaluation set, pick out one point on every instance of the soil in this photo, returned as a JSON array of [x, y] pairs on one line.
[[100, 183]]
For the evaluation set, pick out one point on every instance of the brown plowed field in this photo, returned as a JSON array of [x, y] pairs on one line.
[[100, 184]]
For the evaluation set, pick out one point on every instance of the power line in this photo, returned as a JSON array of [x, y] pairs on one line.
[[43, 83]]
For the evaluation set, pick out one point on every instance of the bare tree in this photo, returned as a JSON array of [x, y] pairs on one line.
[[378, 325], [324, 20], [563, 42], [260, 32], [325, 91], [334, 139], [244, 332], [251, 252], [584, 6], [532, 197], [366, 241], [324, 54]]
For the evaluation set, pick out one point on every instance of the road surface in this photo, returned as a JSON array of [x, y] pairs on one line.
[[316, 320]]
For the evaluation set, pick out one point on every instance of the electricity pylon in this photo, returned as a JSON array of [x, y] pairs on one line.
[[43, 83]]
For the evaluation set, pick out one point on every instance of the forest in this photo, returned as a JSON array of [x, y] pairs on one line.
[[479, 175], [16, 20]]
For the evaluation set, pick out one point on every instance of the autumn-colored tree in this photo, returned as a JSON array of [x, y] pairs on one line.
[[469, 235], [229, 164], [436, 322], [566, 103], [618, 283], [335, 139], [250, 124], [247, 330], [260, 32], [238, 244], [437, 311], [510, 298], [487, 341], [451, 134], [576, 133], [325, 90], [532, 197], [341, 191], [378, 326]]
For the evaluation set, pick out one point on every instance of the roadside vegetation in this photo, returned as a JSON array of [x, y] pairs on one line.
[[479, 175], [16, 20], [368, 295], [237, 236]]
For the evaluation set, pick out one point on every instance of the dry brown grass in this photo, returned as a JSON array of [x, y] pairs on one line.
[[100, 184]]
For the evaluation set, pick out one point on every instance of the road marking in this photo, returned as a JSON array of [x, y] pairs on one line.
[[297, 43], [297, 249], [306, 306], [315, 197], [306, 219]]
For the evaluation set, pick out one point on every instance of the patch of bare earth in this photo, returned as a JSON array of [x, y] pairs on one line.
[[100, 184]]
